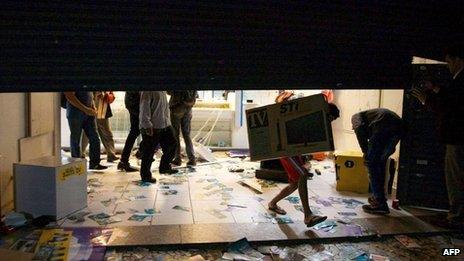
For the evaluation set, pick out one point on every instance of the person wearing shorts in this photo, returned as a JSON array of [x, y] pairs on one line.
[[297, 171]]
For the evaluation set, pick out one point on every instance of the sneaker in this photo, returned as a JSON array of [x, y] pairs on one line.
[[376, 208], [168, 171], [112, 159], [192, 163], [177, 162], [150, 180], [98, 167], [124, 166]]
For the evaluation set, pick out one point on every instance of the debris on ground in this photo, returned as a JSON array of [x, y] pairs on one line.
[[293, 199], [78, 217], [169, 192], [15, 219], [177, 207], [242, 250], [104, 219], [236, 169], [407, 241], [382, 249], [283, 220]]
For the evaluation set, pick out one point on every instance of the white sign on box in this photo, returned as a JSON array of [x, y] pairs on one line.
[[294, 127]]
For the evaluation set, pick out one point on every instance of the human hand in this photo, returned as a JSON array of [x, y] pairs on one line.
[[419, 95], [307, 165]]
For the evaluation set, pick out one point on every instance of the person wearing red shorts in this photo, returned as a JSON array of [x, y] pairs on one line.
[[297, 172]]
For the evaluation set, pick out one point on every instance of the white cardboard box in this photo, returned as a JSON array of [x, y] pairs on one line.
[[54, 186]]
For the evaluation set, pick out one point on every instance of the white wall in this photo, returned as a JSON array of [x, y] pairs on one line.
[[350, 102], [13, 118], [353, 101]]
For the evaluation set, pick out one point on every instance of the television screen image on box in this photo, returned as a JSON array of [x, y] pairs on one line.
[[306, 129]]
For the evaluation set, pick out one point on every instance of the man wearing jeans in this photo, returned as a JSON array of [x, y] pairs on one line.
[[81, 112], [155, 126], [180, 105], [378, 131]]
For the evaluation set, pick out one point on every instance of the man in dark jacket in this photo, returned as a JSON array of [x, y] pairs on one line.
[[132, 102], [378, 131], [181, 104], [447, 102]]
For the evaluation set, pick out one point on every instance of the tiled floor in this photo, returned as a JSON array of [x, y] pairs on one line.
[[208, 194]]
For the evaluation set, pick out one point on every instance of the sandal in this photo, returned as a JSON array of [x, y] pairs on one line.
[[316, 220], [278, 210]]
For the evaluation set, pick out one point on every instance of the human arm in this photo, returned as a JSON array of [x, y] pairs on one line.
[[429, 95], [146, 126], [71, 97], [361, 136]]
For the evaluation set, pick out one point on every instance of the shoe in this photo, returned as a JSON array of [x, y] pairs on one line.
[[168, 171], [376, 208], [126, 167], [150, 180], [177, 162], [192, 163], [371, 200], [138, 154], [98, 167], [112, 158]]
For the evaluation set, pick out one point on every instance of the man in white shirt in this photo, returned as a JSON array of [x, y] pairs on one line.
[[155, 126]]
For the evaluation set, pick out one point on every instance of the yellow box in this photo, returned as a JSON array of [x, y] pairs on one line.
[[350, 172]]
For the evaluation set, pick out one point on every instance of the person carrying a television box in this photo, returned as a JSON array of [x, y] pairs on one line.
[[297, 168]]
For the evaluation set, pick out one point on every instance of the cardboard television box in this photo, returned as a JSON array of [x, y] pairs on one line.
[[294, 127]]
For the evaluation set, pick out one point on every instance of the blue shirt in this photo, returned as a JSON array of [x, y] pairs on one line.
[[73, 112]]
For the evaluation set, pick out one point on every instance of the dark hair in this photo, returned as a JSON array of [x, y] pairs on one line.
[[456, 50], [334, 111]]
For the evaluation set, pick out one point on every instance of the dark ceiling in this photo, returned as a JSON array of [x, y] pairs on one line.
[[124, 45]]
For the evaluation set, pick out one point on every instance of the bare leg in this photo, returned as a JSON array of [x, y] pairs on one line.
[[285, 192], [303, 191]]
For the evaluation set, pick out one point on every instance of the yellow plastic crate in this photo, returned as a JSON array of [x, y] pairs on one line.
[[350, 172]]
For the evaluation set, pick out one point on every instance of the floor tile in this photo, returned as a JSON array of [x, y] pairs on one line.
[[169, 215], [211, 212], [146, 235], [210, 233]]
